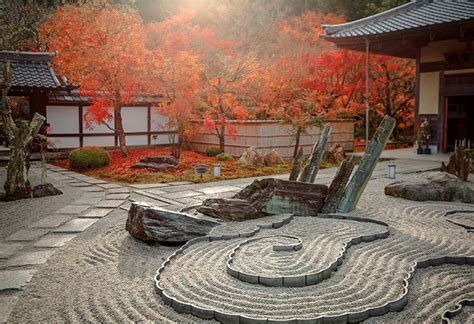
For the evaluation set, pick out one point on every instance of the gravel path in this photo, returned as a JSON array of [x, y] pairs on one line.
[[18, 214], [107, 276]]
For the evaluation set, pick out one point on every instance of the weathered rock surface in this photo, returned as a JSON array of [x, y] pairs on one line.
[[436, 186], [45, 190], [268, 197], [251, 157], [157, 163], [335, 154], [148, 223], [273, 158]]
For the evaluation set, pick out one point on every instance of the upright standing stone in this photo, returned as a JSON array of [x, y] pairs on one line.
[[338, 184], [312, 166], [363, 173], [295, 170]]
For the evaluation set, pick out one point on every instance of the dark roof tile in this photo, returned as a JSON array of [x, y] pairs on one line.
[[415, 14]]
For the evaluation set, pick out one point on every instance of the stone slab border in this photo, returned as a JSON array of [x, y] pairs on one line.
[[309, 278], [447, 315], [392, 306]]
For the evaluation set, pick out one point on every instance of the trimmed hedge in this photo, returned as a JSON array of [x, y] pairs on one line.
[[224, 157], [89, 157], [213, 151]]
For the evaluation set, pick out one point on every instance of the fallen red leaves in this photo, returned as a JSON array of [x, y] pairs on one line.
[[120, 170]]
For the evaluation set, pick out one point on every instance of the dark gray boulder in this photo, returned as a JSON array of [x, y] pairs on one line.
[[157, 163], [45, 190], [148, 223], [436, 186], [268, 197]]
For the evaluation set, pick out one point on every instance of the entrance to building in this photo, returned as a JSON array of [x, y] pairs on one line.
[[459, 120]]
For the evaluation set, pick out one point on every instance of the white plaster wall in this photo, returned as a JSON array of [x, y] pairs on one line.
[[134, 119], [158, 121], [97, 128], [63, 142], [99, 141], [136, 139], [159, 139], [63, 119], [429, 93]]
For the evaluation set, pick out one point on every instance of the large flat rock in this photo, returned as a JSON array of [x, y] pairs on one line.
[[149, 223], [434, 186]]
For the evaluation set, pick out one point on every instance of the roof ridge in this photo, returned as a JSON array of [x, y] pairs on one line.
[[331, 29]]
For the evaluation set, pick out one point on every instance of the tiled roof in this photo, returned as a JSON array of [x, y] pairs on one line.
[[413, 15], [31, 70], [76, 97]]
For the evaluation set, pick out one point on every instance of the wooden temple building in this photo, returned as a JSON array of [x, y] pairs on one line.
[[63, 106], [439, 35]]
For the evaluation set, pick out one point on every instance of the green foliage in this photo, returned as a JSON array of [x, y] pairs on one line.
[[224, 157], [89, 157], [469, 154], [213, 151]]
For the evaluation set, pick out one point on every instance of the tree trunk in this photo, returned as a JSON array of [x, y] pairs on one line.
[[222, 139], [297, 142], [363, 173], [17, 185], [296, 168], [119, 130], [312, 166], [338, 184]]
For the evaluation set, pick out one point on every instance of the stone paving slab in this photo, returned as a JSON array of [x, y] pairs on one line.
[[9, 249], [92, 189], [181, 194], [179, 183], [121, 196], [87, 201], [119, 190], [27, 234], [6, 306], [14, 279], [109, 203], [155, 191], [217, 189], [110, 185], [72, 209], [75, 225], [80, 184], [96, 213], [127, 206], [51, 221], [189, 201], [53, 240], [149, 185], [93, 194], [29, 258]]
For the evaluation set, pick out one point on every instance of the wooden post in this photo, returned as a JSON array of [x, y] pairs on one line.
[[338, 184], [295, 170], [312, 166], [363, 173]]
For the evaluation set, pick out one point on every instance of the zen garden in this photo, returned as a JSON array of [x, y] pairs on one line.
[[237, 161]]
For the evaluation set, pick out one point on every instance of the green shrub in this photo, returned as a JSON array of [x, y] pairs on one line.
[[213, 151], [469, 153], [224, 157], [89, 157]]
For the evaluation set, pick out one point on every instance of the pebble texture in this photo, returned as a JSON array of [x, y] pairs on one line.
[[374, 278]]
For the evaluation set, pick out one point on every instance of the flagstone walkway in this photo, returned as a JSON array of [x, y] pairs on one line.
[[24, 251]]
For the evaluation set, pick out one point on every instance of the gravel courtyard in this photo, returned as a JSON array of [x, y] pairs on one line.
[[103, 275]]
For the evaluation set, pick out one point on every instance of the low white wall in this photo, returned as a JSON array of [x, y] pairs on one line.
[[268, 135]]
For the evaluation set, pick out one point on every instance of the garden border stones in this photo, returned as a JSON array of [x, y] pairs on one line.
[[450, 313], [306, 279]]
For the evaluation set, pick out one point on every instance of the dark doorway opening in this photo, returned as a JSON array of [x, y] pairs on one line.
[[459, 120]]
